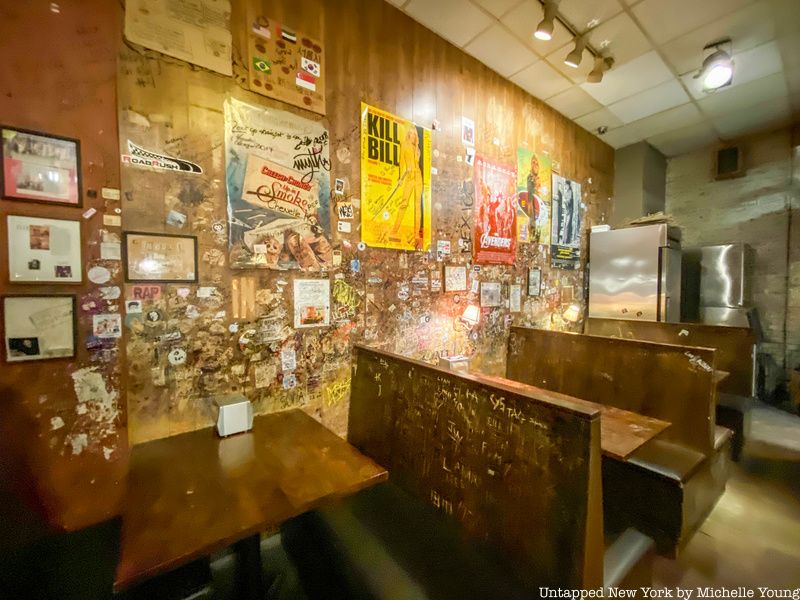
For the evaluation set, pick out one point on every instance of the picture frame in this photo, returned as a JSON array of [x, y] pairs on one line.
[[491, 294], [159, 257], [534, 281], [40, 167], [455, 278], [42, 250], [39, 327]]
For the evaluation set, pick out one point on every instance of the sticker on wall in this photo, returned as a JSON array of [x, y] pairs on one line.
[[310, 66], [176, 219], [153, 315], [112, 220], [344, 227], [149, 159], [264, 374], [111, 251], [111, 292], [289, 381], [110, 193], [176, 357], [145, 292], [133, 307], [288, 359], [344, 210], [99, 275], [442, 249], [107, 325], [515, 297], [312, 302], [338, 187]]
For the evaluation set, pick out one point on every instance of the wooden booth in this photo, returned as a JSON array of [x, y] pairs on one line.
[[735, 362], [668, 485]]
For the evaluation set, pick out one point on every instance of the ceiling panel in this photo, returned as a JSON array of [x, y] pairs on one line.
[[746, 27], [573, 103], [685, 139], [584, 15], [522, 21], [772, 113], [748, 66], [664, 21], [649, 102], [541, 80], [456, 20], [635, 76], [498, 49], [598, 118], [497, 7], [742, 96], [620, 38]]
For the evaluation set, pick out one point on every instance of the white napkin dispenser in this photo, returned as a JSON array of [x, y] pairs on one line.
[[235, 414]]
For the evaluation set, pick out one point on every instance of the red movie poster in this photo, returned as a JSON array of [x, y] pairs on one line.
[[495, 212]]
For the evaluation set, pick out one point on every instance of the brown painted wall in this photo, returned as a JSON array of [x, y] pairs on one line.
[[58, 76], [373, 53]]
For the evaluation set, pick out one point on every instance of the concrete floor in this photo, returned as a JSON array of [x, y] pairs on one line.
[[752, 537]]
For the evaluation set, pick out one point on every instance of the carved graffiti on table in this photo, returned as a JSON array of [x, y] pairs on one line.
[[395, 182], [495, 212], [278, 180], [533, 193], [285, 64]]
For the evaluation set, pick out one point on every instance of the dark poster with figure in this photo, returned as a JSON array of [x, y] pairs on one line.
[[565, 246]]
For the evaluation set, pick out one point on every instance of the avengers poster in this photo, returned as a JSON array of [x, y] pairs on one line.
[[533, 194], [395, 182], [565, 250], [495, 212], [278, 182]]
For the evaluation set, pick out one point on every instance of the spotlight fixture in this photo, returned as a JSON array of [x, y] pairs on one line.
[[544, 31], [717, 69], [573, 59], [601, 65]]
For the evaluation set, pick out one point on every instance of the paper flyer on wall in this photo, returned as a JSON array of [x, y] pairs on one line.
[[395, 181], [495, 212], [312, 302], [565, 250], [278, 181], [533, 193], [197, 31]]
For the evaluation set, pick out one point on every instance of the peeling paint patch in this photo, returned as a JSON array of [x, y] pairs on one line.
[[56, 423], [78, 441], [98, 401]]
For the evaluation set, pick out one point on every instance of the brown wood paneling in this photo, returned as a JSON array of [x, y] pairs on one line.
[[734, 345], [501, 460], [667, 382]]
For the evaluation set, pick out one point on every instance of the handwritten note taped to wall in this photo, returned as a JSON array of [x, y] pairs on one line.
[[285, 64], [197, 31]]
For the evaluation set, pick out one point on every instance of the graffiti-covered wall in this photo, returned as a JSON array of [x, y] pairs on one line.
[[273, 195]]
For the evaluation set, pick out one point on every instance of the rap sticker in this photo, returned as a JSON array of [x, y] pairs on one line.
[[176, 356]]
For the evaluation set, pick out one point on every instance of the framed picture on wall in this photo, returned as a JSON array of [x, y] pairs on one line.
[[160, 257], [43, 250], [534, 281], [40, 167], [455, 278], [39, 327]]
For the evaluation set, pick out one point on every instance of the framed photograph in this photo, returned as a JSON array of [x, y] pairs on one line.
[[39, 167], [160, 257], [44, 250], [455, 278], [38, 327], [534, 281], [491, 294]]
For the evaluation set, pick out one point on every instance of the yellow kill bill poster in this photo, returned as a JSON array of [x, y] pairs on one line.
[[395, 181]]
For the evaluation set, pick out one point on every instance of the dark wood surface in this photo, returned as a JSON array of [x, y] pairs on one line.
[[518, 468], [734, 345], [194, 494], [664, 381], [621, 431]]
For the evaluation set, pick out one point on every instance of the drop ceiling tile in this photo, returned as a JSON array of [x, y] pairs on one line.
[[744, 95], [649, 102], [573, 103], [748, 66], [762, 116], [497, 7], [577, 75], [685, 139], [635, 76], [455, 20], [621, 38], [584, 15], [522, 22], [620, 137], [669, 120], [749, 27], [499, 50], [541, 80], [664, 21], [598, 118]]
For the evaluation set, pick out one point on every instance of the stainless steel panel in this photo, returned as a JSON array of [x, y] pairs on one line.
[[725, 316], [670, 292], [723, 275], [624, 275]]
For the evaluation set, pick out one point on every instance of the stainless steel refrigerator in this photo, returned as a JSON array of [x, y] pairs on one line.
[[635, 273]]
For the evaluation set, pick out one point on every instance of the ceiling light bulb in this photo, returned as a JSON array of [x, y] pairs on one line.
[[717, 69], [544, 31], [573, 59]]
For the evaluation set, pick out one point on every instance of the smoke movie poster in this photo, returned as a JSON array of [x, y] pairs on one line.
[[395, 181], [278, 182], [565, 250], [495, 212], [533, 194]]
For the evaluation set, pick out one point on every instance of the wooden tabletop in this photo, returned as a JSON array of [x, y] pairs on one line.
[[194, 494], [621, 431]]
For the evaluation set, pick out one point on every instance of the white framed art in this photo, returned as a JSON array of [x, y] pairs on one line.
[[43, 250]]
